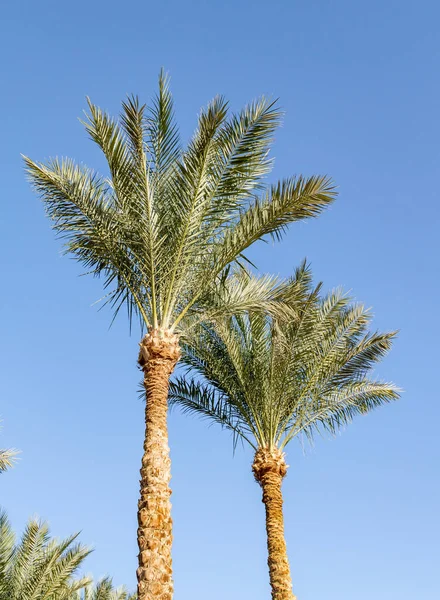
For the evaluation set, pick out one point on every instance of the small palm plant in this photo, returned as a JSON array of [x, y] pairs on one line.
[[38, 567], [103, 590], [164, 228], [7, 459], [270, 381]]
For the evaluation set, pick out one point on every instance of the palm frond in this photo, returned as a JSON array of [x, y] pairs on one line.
[[190, 202], [243, 148], [235, 293], [288, 201], [338, 408], [108, 135], [194, 397], [7, 543], [162, 131], [84, 214]]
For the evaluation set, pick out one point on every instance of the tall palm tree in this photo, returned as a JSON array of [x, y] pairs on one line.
[[270, 381], [38, 567], [103, 590], [165, 228]]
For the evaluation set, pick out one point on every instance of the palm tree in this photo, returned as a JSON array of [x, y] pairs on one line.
[[269, 381], [165, 228], [7, 459], [38, 567], [103, 590]]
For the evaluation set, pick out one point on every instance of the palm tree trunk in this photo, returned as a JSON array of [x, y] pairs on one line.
[[159, 353], [269, 469]]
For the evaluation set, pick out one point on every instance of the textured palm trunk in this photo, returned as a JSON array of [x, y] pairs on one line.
[[159, 353], [269, 469]]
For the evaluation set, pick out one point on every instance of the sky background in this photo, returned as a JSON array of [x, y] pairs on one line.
[[359, 82]]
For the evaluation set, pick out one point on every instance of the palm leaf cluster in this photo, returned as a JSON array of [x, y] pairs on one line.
[[103, 590], [167, 224], [7, 459], [39, 567], [269, 381]]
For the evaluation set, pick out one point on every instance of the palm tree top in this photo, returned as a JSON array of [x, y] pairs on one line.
[[269, 381], [166, 223]]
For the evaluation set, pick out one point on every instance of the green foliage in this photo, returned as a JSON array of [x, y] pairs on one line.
[[38, 567], [103, 590], [270, 380], [167, 224], [7, 459]]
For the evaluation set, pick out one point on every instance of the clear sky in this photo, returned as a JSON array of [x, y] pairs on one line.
[[359, 82]]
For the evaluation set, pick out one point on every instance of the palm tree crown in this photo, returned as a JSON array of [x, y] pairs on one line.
[[165, 224], [269, 381]]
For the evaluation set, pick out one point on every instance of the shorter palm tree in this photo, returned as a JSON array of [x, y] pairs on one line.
[[39, 567], [269, 382]]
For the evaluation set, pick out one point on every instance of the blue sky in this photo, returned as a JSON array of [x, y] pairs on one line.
[[359, 84]]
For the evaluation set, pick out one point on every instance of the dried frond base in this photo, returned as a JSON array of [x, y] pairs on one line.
[[269, 461], [159, 344]]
